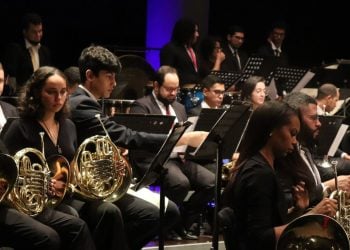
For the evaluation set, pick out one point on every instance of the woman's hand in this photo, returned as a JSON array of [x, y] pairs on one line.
[[301, 196]]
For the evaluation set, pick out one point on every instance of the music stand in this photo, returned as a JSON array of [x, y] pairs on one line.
[[150, 123], [214, 140], [328, 131], [229, 78], [290, 79], [206, 120], [157, 172]]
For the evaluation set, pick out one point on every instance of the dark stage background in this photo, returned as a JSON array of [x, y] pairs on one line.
[[314, 36]]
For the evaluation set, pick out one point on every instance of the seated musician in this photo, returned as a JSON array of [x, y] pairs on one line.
[[42, 107]]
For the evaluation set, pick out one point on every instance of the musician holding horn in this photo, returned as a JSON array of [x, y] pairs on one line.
[[98, 70], [42, 108]]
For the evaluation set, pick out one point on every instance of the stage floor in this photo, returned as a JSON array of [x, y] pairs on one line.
[[203, 243]]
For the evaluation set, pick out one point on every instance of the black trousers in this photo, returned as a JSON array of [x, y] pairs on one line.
[[183, 176], [49, 230], [130, 223]]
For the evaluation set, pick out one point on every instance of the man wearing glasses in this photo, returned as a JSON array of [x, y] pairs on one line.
[[235, 57], [182, 175]]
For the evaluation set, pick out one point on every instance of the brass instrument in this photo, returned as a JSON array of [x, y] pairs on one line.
[[29, 194], [227, 169], [314, 231], [99, 170]]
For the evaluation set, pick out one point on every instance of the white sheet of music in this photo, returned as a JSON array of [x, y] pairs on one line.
[[183, 148], [302, 83], [272, 90], [337, 140]]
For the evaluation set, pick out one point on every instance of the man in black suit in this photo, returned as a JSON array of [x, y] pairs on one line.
[[272, 48], [22, 59], [179, 52], [213, 91], [235, 57], [6, 110], [140, 219], [182, 175]]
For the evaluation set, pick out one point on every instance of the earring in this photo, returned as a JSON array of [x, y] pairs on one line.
[[270, 134]]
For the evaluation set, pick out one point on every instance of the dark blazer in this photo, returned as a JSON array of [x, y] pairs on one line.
[[83, 111], [176, 56], [18, 63], [8, 109], [266, 51], [195, 111], [230, 63], [148, 105], [258, 203]]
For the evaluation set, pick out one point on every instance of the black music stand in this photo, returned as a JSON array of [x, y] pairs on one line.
[[213, 142], [229, 78], [328, 131], [150, 123], [157, 172], [289, 79], [206, 120]]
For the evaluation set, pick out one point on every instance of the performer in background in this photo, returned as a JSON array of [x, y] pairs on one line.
[[22, 59], [6, 110], [180, 52], [42, 109], [254, 91]]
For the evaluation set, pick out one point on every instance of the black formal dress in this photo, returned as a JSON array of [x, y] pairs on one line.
[[182, 175], [51, 229], [140, 218], [258, 203]]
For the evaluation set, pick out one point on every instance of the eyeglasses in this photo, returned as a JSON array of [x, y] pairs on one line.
[[218, 92], [170, 90]]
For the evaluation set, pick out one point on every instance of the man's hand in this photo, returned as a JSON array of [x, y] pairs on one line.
[[193, 139]]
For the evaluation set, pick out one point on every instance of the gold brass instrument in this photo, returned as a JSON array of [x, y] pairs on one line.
[[99, 170], [314, 231], [8, 175], [29, 194]]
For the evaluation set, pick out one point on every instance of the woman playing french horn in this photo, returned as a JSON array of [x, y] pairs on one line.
[[42, 108], [254, 192]]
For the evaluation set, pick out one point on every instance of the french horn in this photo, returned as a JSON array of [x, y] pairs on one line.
[[29, 192], [313, 232], [99, 171]]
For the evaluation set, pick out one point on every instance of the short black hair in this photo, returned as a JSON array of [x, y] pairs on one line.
[[97, 58], [30, 18]]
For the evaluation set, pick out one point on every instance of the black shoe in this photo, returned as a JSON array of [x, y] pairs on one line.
[[172, 235], [187, 235]]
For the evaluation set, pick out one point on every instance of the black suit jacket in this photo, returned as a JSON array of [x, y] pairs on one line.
[[176, 56], [147, 105], [266, 51], [83, 111], [8, 109], [18, 63], [230, 63]]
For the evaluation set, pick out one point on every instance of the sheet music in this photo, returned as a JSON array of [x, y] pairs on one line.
[[302, 83], [183, 148], [272, 90], [337, 140], [147, 195]]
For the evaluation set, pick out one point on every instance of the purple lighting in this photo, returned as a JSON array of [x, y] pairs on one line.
[[161, 17]]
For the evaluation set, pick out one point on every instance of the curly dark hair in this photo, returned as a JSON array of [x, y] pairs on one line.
[[29, 103]]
